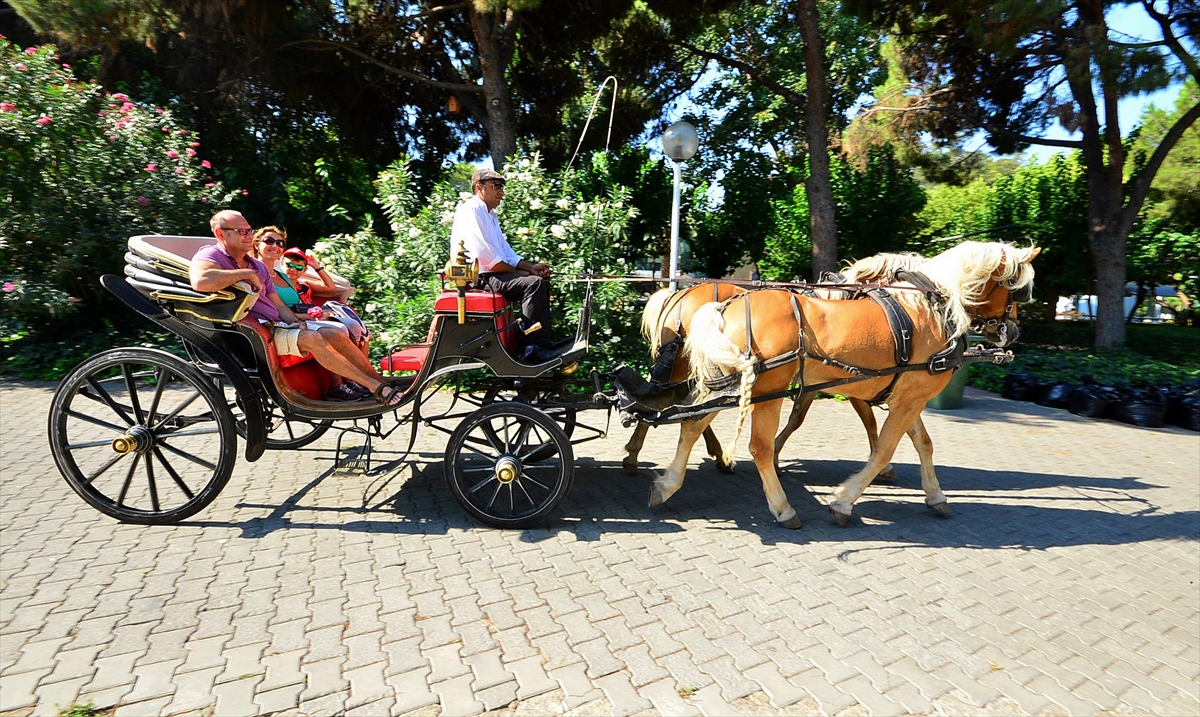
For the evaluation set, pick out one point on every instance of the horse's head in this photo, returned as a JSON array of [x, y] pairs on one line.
[[994, 316]]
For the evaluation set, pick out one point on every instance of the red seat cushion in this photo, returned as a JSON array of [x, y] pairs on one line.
[[409, 359], [477, 302]]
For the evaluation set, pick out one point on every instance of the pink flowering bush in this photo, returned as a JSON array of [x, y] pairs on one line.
[[78, 180]]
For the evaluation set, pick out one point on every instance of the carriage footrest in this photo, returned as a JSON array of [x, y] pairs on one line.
[[641, 401], [990, 355]]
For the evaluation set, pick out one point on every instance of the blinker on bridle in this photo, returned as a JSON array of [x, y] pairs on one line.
[[1015, 296]]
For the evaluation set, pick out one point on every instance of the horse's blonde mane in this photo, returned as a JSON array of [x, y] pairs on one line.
[[881, 267], [652, 319], [962, 271]]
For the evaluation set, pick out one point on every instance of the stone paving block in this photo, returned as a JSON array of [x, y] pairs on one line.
[[868, 695], [367, 685], [105, 699], [446, 663], [282, 670], [331, 704], [781, 692], [154, 680], [324, 677], [39, 655], [665, 697], [488, 670], [599, 657], [711, 702], [498, 696], [437, 631], [412, 690], [624, 699], [142, 708], [17, 690], [194, 691], [733, 683], [831, 698], [577, 688], [456, 696], [1031, 702], [204, 654], [278, 699], [531, 676]]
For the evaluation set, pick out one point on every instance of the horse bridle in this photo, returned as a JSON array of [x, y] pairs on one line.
[[1015, 296]]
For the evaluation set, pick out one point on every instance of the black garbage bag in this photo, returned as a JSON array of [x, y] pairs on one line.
[[1183, 406], [1144, 407], [1055, 394], [1020, 386], [1092, 400]]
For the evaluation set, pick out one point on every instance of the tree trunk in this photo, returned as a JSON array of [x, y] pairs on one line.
[[499, 119], [816, 131], [1108, 245]]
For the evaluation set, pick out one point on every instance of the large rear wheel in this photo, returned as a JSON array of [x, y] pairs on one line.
[[142, 436], [284, 432], [509, 465]]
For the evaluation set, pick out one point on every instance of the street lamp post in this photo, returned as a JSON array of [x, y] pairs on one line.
[[679, 144]]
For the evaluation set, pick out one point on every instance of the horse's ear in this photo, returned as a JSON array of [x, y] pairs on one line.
[[1033, 252]]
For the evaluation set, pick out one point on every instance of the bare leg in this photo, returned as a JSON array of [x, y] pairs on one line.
[[765, 421], [867, 415], [899, 420], [335, 351], [633, 448], [725, 464], [799, 410], [666, 485], [934, 497]]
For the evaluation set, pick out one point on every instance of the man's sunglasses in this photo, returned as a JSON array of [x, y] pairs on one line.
[[273, 241], [244, 232], [297, 267]]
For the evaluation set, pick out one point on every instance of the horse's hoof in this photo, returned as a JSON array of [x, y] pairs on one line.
[[843, 519], [630, 469], [656, 497], [724, 466], [791, 523], [942, 509], [888, 473]]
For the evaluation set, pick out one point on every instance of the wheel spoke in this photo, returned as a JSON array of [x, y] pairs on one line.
[[87, 444], [195, 432], [163, 377], [527, 496], [480, 484], [175, 413], [489, 443], [131, 386], [495, 493], [96, 421], [525, 457], [103, 396], [128, 479], [174, 476], [530, 478], [522, 436], [111, 462], [184, 454], [153, 487]]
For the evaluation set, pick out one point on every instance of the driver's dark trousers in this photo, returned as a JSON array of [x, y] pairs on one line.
[[534, 294]]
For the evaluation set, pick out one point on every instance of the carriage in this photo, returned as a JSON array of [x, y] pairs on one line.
[[132, 429]]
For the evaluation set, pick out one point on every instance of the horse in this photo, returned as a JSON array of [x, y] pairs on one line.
[[665, 322], [770, 338]]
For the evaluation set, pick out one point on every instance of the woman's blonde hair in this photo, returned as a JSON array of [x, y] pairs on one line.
[[258, 235]]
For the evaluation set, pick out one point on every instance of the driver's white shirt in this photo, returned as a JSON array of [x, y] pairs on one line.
[[478, 229]]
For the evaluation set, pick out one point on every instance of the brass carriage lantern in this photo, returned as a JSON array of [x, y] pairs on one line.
[[680, 143], [453, 106], [461, 272]]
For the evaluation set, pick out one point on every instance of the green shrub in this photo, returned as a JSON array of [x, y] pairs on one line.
[[83, 171], [1074, 365]]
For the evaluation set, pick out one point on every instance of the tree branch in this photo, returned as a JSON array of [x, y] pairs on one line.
[[791, 96], [1141, 186], [1171, 41], [981, 124], [331, 45]]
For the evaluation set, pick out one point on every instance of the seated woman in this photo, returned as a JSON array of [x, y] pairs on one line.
[[269, 243]]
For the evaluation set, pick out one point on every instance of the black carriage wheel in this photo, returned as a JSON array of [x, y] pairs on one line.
[[133, 430], [283, 432], [564, 415], [509, 465]]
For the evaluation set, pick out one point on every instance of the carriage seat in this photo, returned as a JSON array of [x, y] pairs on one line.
[[480, 305], [297, 374]]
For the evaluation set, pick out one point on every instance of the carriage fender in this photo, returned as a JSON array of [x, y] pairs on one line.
[[256, 430]]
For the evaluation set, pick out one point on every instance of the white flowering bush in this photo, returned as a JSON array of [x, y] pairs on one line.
[[545, 218]]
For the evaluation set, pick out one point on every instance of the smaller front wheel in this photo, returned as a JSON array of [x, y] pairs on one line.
[[509, 465]]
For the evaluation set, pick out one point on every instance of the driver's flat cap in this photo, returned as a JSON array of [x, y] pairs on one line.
[[484, 175]]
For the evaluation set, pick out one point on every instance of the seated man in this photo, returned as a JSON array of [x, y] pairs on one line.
[[501, 269], [228, 262]]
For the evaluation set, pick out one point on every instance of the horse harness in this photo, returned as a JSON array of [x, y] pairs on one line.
[[901, 327]]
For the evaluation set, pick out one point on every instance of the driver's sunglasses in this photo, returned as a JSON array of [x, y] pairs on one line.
[[297, 267], [273, 241], [243, 232]]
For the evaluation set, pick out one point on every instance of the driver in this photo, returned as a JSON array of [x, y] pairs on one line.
[[502, 270]]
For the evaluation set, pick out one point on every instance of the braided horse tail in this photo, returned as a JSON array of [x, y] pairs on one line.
[[713, 355]]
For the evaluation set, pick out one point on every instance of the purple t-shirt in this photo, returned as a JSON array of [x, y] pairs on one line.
[[264, 309]]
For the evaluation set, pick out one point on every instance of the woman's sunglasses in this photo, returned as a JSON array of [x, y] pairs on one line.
[[272, 241], [297, 267]]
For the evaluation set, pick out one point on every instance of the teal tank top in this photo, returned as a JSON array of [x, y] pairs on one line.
[[289, 295]]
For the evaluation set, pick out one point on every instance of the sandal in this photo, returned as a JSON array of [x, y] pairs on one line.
[[389, 395], [342, 393]]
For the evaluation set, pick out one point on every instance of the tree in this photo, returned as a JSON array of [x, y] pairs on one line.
[[1010, 67], [774, 94]]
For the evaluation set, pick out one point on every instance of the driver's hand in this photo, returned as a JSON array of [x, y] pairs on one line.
[[542, 269]]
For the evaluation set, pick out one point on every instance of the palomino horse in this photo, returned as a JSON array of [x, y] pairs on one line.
[[838, 340], [666, 321]]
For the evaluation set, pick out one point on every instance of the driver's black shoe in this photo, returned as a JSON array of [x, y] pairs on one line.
[[539, 354]]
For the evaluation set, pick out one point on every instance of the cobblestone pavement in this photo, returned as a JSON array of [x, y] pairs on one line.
[[1065, 583]]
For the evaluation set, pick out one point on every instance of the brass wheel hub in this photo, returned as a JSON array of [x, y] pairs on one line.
[[138, 439], [508, 469]]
